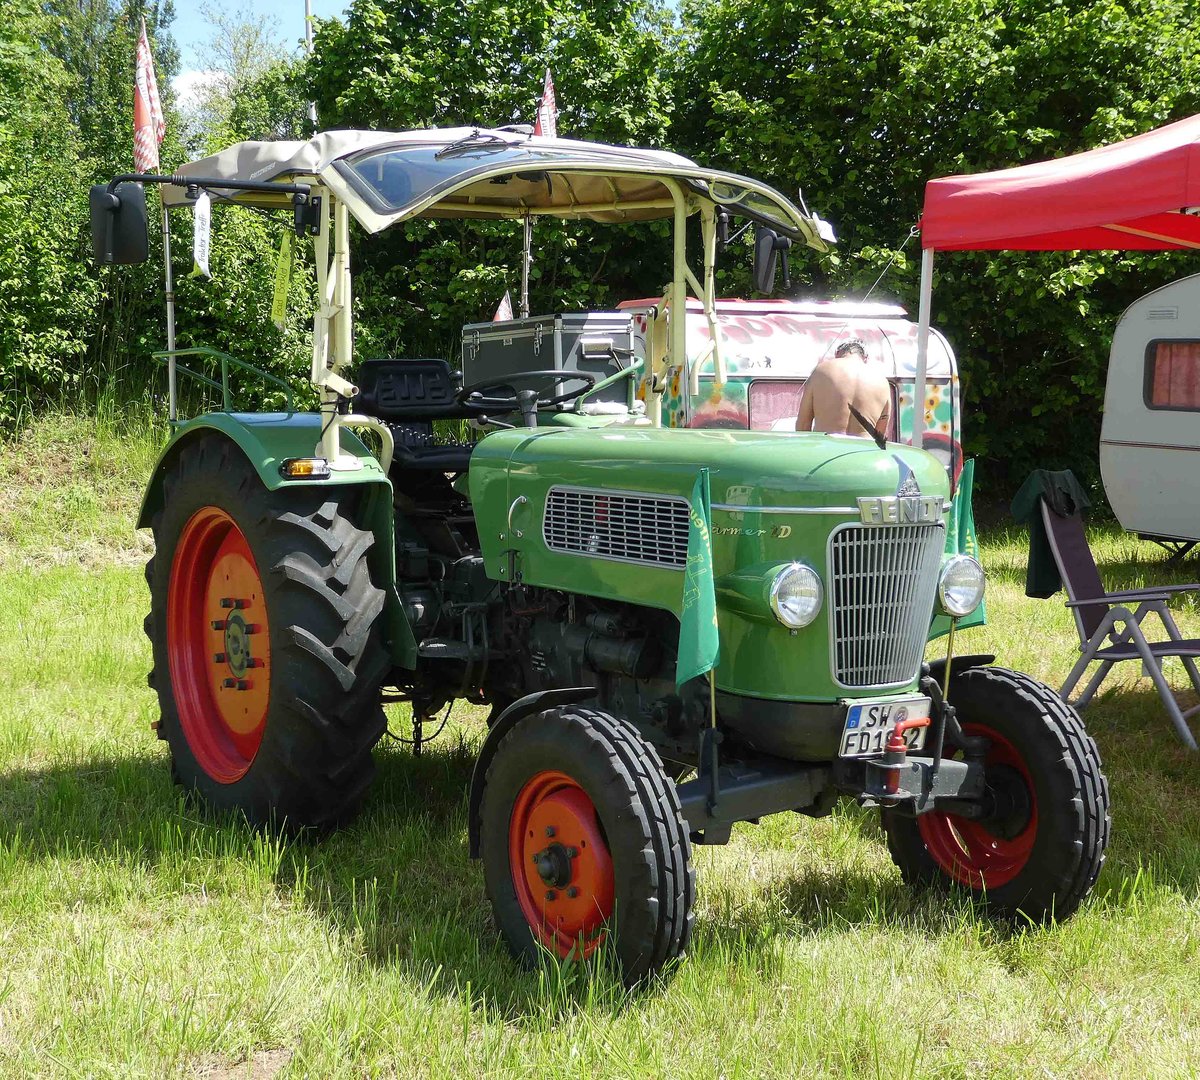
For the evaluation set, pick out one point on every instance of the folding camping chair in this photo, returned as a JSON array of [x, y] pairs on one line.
[[1108, 631]]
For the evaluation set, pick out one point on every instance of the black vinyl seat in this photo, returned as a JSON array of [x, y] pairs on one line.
[[408, 395], [406, 390]]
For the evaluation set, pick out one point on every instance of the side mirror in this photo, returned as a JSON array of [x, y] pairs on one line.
[[767, 245], [119, 231]]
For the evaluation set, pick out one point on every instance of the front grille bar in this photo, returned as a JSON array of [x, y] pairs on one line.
[[625, 526], [882, 582]]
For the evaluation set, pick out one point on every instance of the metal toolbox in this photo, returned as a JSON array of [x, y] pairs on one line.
[[491, 350]]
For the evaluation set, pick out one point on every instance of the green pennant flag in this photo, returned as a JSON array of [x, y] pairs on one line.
[[699, 643], [283, 279], [962, 540]]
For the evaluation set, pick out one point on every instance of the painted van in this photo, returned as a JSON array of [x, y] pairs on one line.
[[770, 348]]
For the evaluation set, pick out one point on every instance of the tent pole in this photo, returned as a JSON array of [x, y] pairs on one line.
[[918, 436], [526, 262]]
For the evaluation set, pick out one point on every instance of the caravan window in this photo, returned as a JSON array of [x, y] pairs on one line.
[[1173, 375]]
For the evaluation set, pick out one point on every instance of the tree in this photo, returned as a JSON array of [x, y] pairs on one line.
[[863, 102], [418, 64]]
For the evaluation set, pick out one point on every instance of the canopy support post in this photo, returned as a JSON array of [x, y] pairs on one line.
[[332, 335], [169, 286], [918, 435]]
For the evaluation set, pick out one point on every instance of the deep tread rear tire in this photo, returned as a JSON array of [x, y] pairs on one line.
[[314, 765], [638, 809], [1071, 790]]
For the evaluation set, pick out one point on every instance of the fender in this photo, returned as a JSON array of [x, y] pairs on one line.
[[937, 668], [507, 720], [266, 440]]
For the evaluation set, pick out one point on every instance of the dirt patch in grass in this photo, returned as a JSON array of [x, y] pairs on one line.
[[261, 1065]]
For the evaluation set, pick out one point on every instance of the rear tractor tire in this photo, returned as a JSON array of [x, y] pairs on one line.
[[1037, 854], [266, 632], [584, 844]]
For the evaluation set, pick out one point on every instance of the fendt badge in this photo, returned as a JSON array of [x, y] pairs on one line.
[[900, 510]]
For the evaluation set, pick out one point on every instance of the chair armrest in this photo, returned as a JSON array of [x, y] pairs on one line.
[[1114, 598], [1133, 594]]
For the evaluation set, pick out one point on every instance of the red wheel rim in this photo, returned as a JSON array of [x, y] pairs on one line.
[[967, 851], [218, 644], [561, 867]]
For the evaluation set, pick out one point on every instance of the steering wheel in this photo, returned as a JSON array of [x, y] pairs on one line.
[[499, 395]]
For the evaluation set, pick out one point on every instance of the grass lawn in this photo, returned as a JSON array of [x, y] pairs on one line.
[[139, 938]]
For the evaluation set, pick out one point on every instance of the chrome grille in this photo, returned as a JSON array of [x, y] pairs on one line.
[[647, 529], [883, 580]]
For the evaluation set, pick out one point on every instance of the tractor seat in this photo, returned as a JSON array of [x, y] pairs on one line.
[[400, 391], [408, 395]]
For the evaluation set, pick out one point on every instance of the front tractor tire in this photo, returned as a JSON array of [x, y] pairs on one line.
[[584, 844], [1038, 850], [266, 633]]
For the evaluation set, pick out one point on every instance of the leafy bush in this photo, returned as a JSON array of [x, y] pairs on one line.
[[862, 103]]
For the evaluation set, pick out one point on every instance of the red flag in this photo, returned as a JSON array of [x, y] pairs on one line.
[[504, 312], [547, 114], [149, 127]]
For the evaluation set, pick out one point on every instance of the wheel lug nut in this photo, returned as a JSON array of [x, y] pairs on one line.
[[252, 628], [549, 830], [232, 602], [254, 661], [219, 658], [218, 624], [572, 852], [551, 894], [235, 684], [572, 892]]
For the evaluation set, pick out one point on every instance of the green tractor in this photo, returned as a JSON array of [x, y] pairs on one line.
[[300, 579]]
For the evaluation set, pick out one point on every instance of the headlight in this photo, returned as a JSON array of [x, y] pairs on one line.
[[796, 595], [960, 585]]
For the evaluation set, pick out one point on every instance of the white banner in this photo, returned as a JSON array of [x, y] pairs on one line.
[[201, 235]]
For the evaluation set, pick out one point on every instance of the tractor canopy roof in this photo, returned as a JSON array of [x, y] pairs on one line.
[[388, 176]]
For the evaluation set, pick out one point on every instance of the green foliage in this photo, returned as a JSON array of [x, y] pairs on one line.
[[421, 64], [862, 103], [46, 295]]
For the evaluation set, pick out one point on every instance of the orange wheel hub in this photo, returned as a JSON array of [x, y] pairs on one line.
[[561, 867], [218, 644], [969, 851]]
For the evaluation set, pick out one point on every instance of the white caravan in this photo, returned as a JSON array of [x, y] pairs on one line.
[[1150, 437]]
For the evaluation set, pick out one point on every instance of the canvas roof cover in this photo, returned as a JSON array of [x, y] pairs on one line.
[[1141, 193], [472, 172]]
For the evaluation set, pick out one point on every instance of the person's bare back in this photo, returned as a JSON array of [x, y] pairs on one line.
[[848, 378]]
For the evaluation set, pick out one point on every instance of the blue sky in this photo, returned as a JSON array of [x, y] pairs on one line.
[[191, 31]]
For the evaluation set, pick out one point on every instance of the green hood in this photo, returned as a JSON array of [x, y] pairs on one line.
[[747, 468]]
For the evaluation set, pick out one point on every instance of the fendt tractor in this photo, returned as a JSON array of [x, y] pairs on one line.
[[301, 579]]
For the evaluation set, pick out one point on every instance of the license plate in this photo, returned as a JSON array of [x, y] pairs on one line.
[[869, 723]]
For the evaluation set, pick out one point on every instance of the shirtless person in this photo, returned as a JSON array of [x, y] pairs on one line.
[[849, 378]]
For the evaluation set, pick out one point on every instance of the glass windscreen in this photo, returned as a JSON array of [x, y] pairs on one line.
[[396, 177], [775, 403]]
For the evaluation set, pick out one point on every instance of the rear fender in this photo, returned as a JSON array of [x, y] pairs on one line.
[[268, 439]]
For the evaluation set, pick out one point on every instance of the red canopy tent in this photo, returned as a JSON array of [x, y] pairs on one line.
[[1142, 193]]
